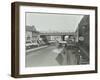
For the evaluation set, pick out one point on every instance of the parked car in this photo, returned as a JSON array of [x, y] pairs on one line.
[[30, 45]]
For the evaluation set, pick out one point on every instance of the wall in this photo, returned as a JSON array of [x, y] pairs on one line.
[[5, 40]]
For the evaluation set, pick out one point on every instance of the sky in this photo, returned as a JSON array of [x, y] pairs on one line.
[[46, 22]]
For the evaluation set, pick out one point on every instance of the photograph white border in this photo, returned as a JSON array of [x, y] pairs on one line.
[[54, 69]]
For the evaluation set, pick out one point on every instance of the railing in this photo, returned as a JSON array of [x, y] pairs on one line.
[[57, 33]]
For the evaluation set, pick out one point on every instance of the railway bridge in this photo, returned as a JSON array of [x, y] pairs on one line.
[[61, 34]]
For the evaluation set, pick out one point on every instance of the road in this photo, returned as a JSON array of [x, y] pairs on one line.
[[49, 56]]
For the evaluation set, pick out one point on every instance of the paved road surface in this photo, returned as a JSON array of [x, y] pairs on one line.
[[49, 57]]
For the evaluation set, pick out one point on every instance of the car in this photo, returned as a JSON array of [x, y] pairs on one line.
[[30, 44]]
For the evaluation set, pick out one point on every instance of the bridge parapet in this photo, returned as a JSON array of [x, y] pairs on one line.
[[57, 33]]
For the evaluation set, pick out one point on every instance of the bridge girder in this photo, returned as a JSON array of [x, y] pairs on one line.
[[58, 34]]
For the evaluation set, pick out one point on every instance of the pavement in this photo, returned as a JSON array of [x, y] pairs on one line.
[[30, 50], [42, 57], [50, 56]]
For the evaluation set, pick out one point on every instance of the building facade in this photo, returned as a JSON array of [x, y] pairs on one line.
[[82, 38], [32, 34], [31, 37]]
